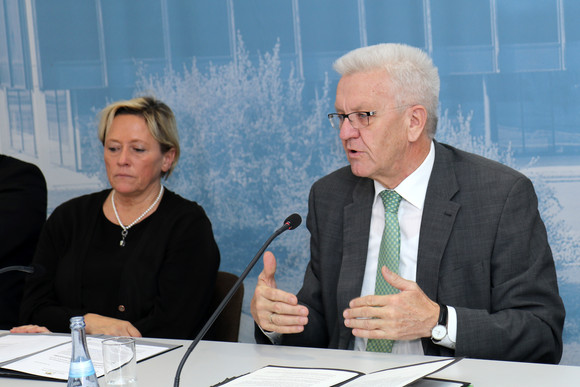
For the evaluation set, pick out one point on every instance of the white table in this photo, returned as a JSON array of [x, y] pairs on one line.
[[212, 362]]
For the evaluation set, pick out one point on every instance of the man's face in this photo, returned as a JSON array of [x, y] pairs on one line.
[[378, 150]]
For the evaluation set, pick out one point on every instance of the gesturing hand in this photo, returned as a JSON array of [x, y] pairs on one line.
[[273, 309], [407, 315]]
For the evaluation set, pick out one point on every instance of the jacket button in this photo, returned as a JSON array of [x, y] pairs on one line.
[[121, 308]]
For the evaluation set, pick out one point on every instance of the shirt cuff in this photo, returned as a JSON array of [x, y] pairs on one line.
[[451, 338], [274, 337]]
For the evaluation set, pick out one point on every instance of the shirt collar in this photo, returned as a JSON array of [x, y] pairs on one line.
[[414, 188]]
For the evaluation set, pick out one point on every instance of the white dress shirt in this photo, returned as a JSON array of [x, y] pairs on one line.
[[413, 190]]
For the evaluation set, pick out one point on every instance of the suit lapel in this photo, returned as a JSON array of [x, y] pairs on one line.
[[439, 214], [356, 225]]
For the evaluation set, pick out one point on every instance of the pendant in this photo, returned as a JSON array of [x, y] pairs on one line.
[[123, 234]]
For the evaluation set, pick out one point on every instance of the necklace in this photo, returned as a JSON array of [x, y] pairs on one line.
[[126, 228]]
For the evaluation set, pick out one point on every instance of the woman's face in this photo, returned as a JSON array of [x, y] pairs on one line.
[[133, 157]]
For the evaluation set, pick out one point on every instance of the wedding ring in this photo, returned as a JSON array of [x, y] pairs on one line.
[[272, 314]]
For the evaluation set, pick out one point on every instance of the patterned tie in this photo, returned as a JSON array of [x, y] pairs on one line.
[[389, 257]]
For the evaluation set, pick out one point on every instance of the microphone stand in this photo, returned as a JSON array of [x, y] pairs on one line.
[[290, 223]]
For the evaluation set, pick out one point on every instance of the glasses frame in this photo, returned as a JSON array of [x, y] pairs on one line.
[[331, 117]]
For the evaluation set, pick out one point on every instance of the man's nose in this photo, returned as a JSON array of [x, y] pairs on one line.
[[347, 130]]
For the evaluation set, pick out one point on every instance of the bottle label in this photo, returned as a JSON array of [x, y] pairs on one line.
[[80, 369]]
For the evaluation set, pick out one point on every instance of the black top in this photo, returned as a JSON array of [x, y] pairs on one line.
[[161, 281], [22, 214]]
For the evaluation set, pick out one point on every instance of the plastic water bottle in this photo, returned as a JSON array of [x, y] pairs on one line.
[[81, 372]]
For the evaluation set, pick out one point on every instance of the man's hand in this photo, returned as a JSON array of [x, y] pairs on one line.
[[407, 315], [97, 324], [275, 310]]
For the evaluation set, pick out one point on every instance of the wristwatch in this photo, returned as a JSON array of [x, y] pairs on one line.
[[439, 332]]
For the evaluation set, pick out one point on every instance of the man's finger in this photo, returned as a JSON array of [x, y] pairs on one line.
[[279, 296], [283, 323]]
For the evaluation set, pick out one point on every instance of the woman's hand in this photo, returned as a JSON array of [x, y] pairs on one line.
[[29, 329], [97, 324]]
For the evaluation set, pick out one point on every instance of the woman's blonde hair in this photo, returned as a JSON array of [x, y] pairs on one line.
[[158, 116]]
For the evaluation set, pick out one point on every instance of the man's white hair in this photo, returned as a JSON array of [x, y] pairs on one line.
[[410, 70]]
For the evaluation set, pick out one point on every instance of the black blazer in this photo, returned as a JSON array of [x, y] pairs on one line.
[[22, 214]]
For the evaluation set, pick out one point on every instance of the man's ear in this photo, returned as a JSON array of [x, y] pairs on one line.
[[417, 122]]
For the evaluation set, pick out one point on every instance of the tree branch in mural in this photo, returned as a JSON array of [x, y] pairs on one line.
[[250, 147]]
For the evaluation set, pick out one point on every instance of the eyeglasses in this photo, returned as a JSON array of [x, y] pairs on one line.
[[357, 119]]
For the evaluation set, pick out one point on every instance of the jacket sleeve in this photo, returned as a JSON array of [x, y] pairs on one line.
[[525, 315], [41, 303]]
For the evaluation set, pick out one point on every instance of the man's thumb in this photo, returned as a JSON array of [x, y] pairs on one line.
[[269, 269], [394, 279]]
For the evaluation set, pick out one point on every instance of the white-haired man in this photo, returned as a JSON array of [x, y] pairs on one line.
[[460, 266]]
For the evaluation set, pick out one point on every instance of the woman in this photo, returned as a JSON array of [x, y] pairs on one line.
[[137, 259]]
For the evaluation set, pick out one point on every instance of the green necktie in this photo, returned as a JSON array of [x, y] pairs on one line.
[[389, 257]]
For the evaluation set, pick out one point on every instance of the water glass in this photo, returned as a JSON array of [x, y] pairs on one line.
[[120, 362]]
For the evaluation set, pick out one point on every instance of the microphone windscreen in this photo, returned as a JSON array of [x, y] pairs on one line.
[[293, 221]]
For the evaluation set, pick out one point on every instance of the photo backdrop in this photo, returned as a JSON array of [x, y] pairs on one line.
[[251, 82]]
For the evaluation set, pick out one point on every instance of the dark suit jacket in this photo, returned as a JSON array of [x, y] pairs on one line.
[[22, 214], [483, 249]]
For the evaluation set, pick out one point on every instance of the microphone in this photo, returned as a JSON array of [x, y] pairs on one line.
[[290, 223], [24, 269]]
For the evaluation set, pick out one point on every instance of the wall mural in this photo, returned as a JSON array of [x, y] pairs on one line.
[[251, 83]]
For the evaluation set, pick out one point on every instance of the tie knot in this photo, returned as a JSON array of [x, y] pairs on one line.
[[391, 200]]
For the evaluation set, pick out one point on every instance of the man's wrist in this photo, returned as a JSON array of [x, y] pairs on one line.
[[445, 332], [439, 331]]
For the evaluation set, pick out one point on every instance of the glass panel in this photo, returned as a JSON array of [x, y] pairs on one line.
[[536, 48], [16, 142], [395, 21], [329, 25], [22, 135], [263, 22], [513, 14], [472, 18], [16, 42], [60, 133], [4, 55], [68, 44], [133, 29], [190, 21]]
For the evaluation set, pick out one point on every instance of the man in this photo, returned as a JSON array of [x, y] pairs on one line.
[[476, 275], [22, 214]]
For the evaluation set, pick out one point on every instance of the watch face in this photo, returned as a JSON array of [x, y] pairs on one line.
[[439, 332]]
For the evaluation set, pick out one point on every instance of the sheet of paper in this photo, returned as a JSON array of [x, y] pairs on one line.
[[55, 362], [13, 346], [273, 376], [399, 377]]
